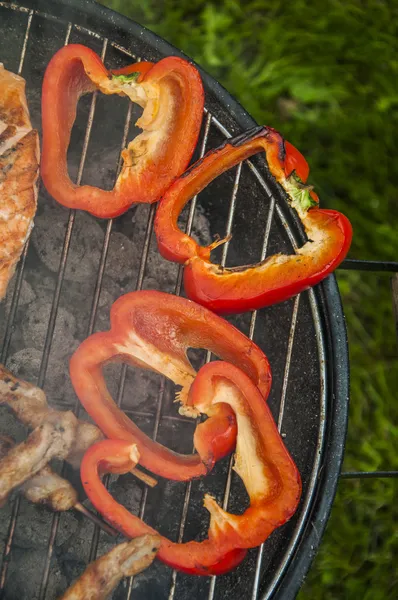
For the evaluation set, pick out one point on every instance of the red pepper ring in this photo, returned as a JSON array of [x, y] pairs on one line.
[[171, 94], [154, 330], [277, 278], [262, 461]]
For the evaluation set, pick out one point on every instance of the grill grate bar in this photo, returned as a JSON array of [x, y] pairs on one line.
[[316, 466], [288, 361], [25, 42], [140, 413], [50, 550], [256, 580], [124, 51], [227, 491], [264, 249], [14, 303], [122, 380], [231, 214], [8, 544], [184, 514]]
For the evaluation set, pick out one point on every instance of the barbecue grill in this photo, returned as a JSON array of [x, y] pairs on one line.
[[73, 268]]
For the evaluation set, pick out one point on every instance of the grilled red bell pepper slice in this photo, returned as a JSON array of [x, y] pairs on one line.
[[277, 278], [268, 472], [171, 94], [154, 330]]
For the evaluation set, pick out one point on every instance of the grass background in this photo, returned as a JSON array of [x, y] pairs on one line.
[[326, 75]]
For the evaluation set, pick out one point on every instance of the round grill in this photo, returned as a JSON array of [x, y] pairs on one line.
[[75, 266]]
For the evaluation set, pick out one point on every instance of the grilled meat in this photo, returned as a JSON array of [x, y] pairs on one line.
[[29, 404], [103, 575], [46, 487], [52, 439], [19, 164]]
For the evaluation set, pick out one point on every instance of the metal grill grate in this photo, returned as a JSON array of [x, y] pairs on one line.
[[297, 335]]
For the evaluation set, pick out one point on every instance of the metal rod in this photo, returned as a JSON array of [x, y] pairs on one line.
[[8, 544], [12, 6], [369, 265], [25, 42], [288, 361], [394, 289], [99, 522], [144, 477], [368, 474], [178, 289], [14, 303], [151, 415], [184, 515], [253, 318]]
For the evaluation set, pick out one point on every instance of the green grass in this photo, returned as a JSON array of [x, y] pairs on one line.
[[326, 75]]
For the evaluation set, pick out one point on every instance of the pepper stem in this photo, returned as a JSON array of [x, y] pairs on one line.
[[300, 194], [128, 78]]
